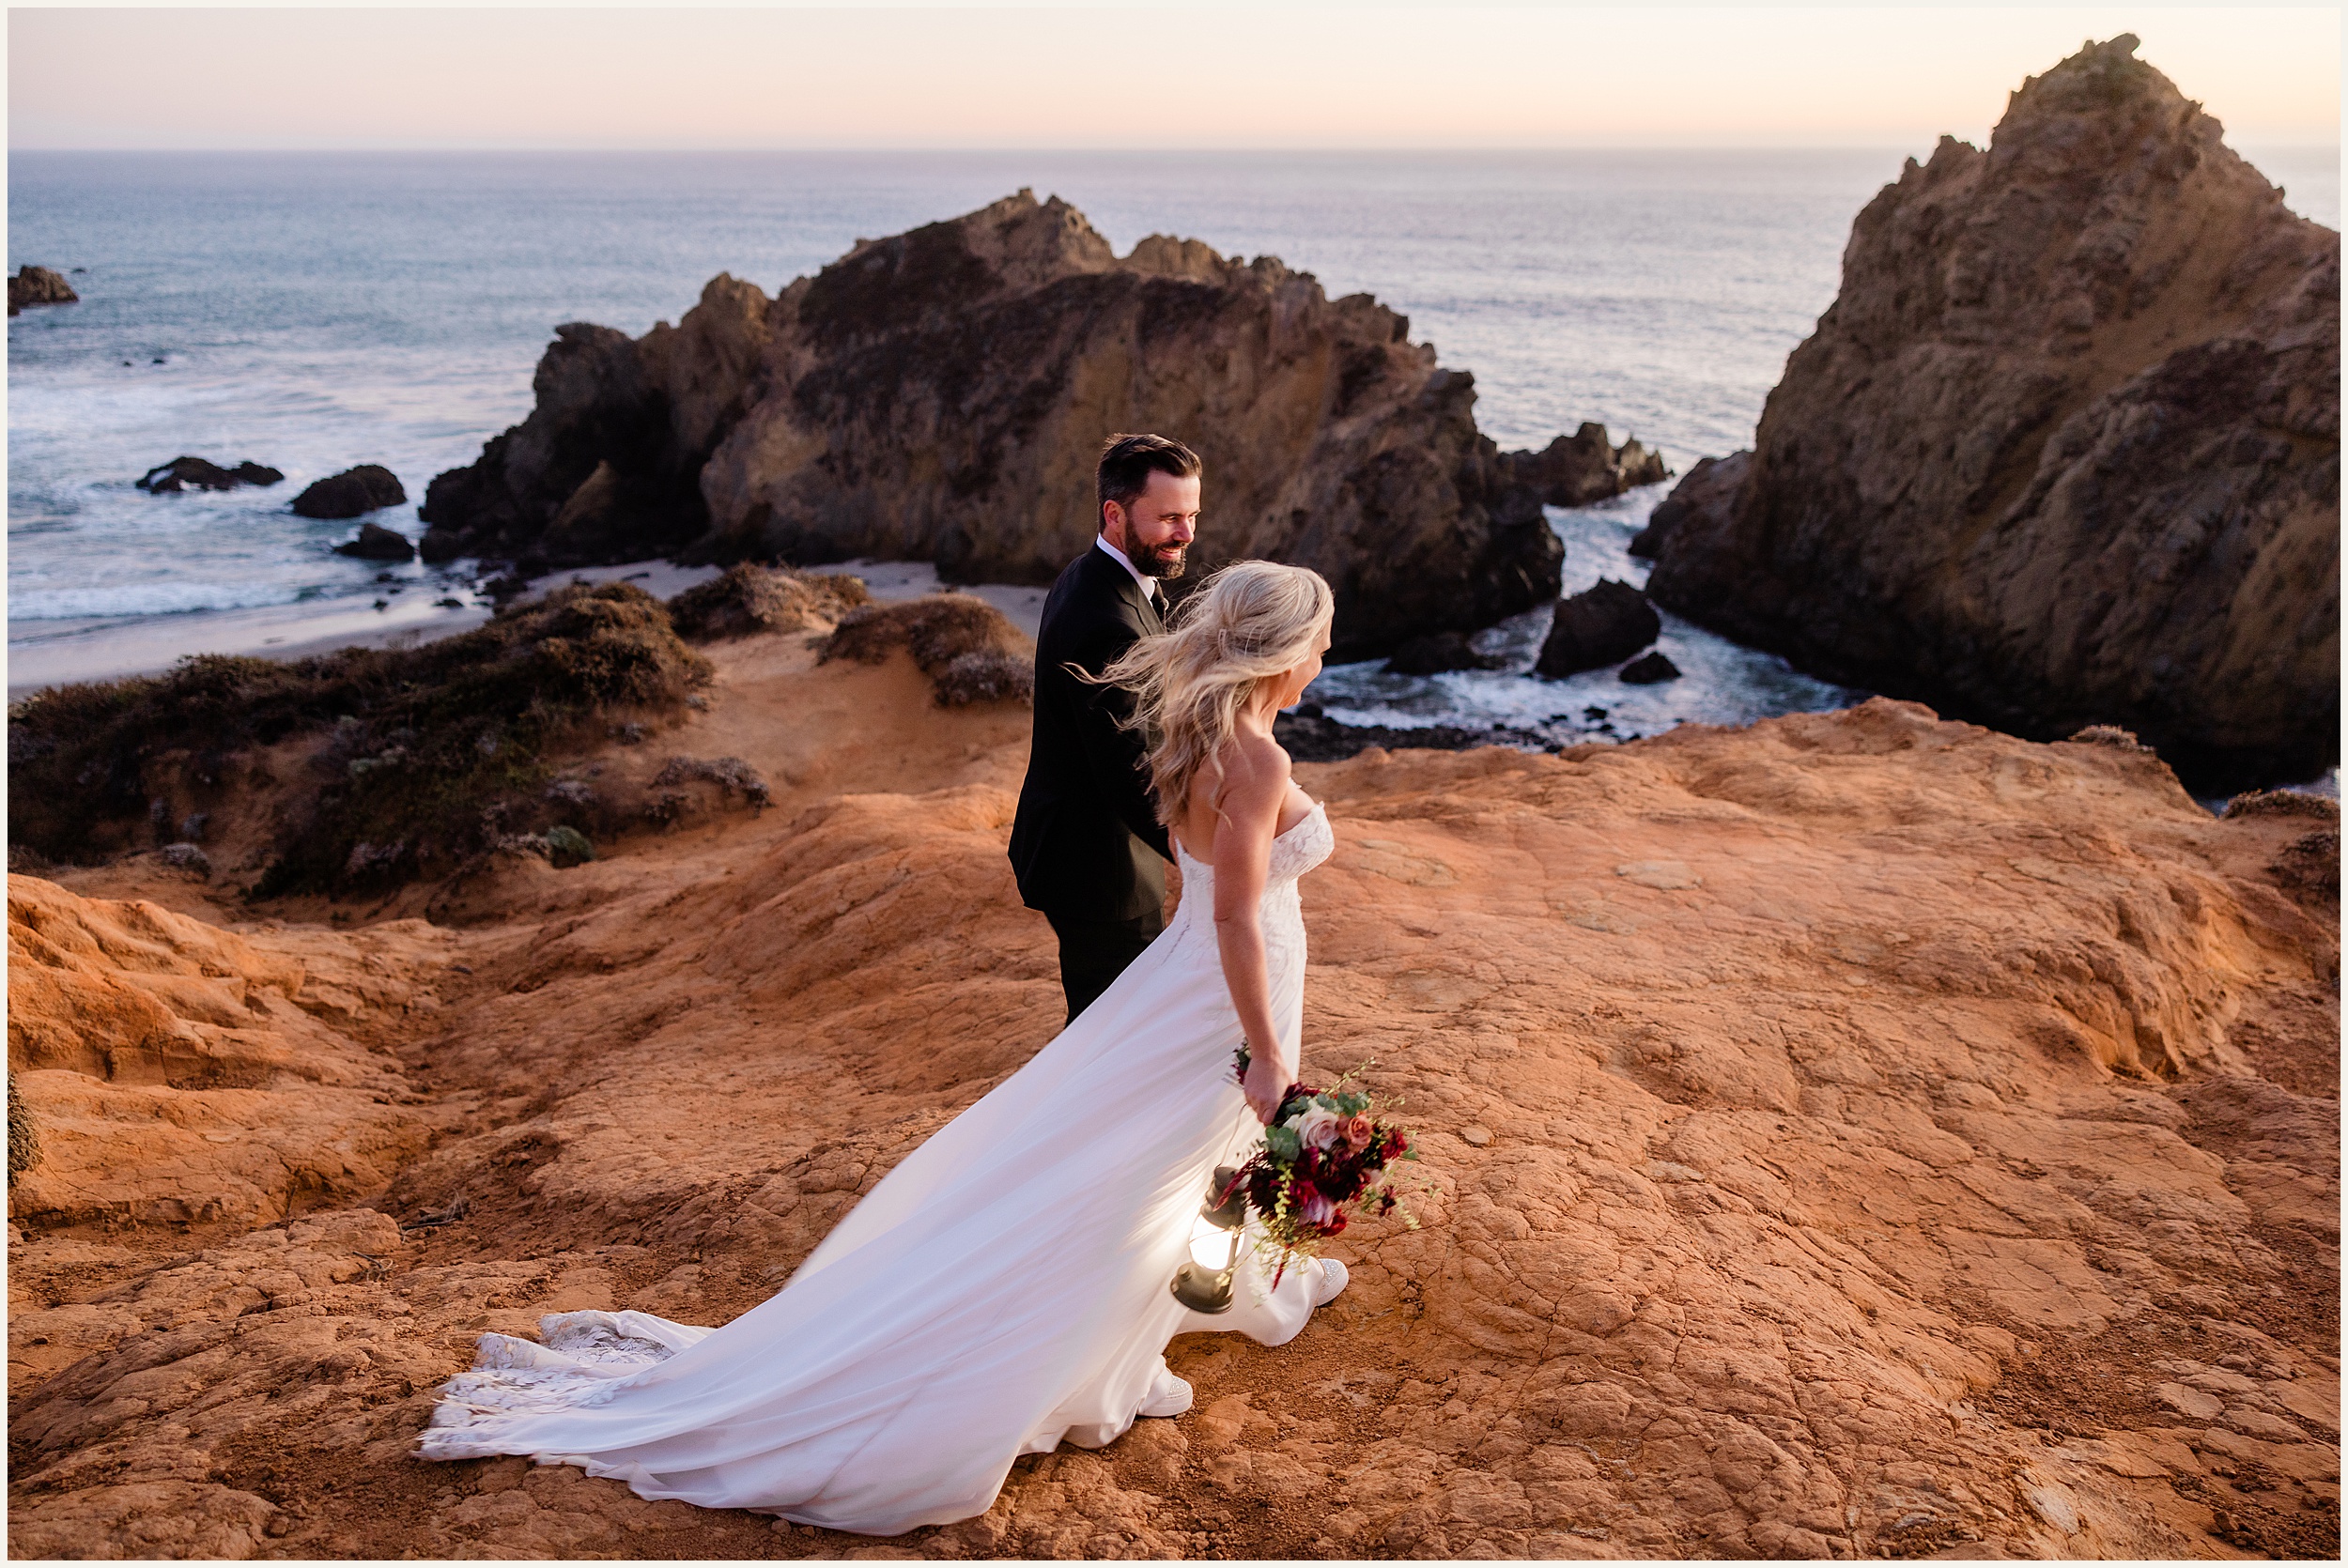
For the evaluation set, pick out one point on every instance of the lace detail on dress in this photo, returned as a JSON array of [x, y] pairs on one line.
[[1306, 844], [583, 1361]]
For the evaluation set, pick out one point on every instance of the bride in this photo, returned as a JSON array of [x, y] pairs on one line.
[[1007, 1286]]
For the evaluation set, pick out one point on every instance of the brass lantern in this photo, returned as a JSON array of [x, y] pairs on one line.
[[1204, 1283]]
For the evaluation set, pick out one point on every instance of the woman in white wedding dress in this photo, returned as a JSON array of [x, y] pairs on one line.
[[1007, 1285]]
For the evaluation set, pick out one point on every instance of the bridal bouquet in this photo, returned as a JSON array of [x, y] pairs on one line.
[[1323, 1151]]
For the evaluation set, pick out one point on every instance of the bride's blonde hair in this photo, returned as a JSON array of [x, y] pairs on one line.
[[1249, 622]]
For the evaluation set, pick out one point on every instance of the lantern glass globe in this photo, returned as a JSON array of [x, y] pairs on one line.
[[1210, 1246]]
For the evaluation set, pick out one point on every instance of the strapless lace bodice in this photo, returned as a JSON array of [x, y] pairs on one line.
[[1303, 846]]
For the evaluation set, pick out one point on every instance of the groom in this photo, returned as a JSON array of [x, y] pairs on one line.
[[1087, 845]]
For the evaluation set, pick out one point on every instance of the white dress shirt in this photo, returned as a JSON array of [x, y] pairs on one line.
[[1148, 585]]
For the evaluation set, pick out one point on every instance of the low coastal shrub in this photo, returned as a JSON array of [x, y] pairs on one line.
[[749, 599], [968, 648], [431, 756]]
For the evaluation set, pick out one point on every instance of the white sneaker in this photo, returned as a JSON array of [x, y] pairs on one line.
[[1332, 1281], [1169, 1397]]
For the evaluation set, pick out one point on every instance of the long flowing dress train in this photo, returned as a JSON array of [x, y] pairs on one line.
[[1004, 1288]]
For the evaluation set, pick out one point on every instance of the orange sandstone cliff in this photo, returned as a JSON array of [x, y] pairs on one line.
[[1860, 1134]]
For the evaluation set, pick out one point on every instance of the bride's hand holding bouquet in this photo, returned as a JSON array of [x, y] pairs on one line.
[[1322, 1150], [1265, 1082]]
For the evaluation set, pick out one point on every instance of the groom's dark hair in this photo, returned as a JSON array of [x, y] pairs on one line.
[[1128, 461]]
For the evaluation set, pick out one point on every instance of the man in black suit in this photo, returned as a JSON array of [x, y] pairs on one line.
[[1087, 845]]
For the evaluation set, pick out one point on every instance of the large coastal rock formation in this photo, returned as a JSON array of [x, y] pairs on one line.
[[2066, 450], [39, 285], [942, 395], [1856, 1135]]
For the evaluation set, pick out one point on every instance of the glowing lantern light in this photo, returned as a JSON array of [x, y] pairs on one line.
[[1204, 1283]]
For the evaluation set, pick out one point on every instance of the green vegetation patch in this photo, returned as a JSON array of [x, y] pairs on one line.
[[434, 755]]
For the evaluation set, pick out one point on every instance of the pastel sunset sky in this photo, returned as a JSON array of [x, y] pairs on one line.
[[1268, 75]]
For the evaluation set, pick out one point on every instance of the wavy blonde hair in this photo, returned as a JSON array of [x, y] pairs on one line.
[[1249, 622]]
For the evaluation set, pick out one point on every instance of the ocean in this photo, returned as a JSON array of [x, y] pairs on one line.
[[315, 310]]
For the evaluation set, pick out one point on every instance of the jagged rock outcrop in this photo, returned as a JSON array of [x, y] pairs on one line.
[[200, 473], [1712, 483], [39, 285], [368, 488], [1586, 467], [2066, 448], [942, 395]]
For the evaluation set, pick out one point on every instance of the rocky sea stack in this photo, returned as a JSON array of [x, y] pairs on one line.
[[39, 285], [2066, 450], [942, 395]]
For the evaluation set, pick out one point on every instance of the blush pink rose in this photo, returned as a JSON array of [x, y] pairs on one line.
[[1321, 1128]]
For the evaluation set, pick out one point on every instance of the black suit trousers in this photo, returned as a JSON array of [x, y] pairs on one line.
[[1093, 952]]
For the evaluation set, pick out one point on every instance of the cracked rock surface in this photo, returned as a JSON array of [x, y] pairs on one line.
[[1855, 1135]]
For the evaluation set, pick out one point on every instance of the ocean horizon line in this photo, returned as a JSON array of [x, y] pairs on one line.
[[1888, 144]]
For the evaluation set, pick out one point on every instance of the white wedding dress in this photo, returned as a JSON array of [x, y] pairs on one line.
[[1005, 1287]]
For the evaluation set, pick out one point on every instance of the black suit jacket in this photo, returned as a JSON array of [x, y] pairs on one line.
[[1087, 843]]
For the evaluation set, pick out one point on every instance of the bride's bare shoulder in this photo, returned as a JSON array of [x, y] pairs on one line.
[[1255, 767]]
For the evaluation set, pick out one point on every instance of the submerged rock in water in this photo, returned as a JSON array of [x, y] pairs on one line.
[[368, 488], [943, 394], [39, 285], [198, 473], [1437, 652], [1649, 670], [2066, 450], [378, 543], [1599, 626]]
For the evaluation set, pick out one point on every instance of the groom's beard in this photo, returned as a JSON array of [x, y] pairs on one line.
[[1160, 561]]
